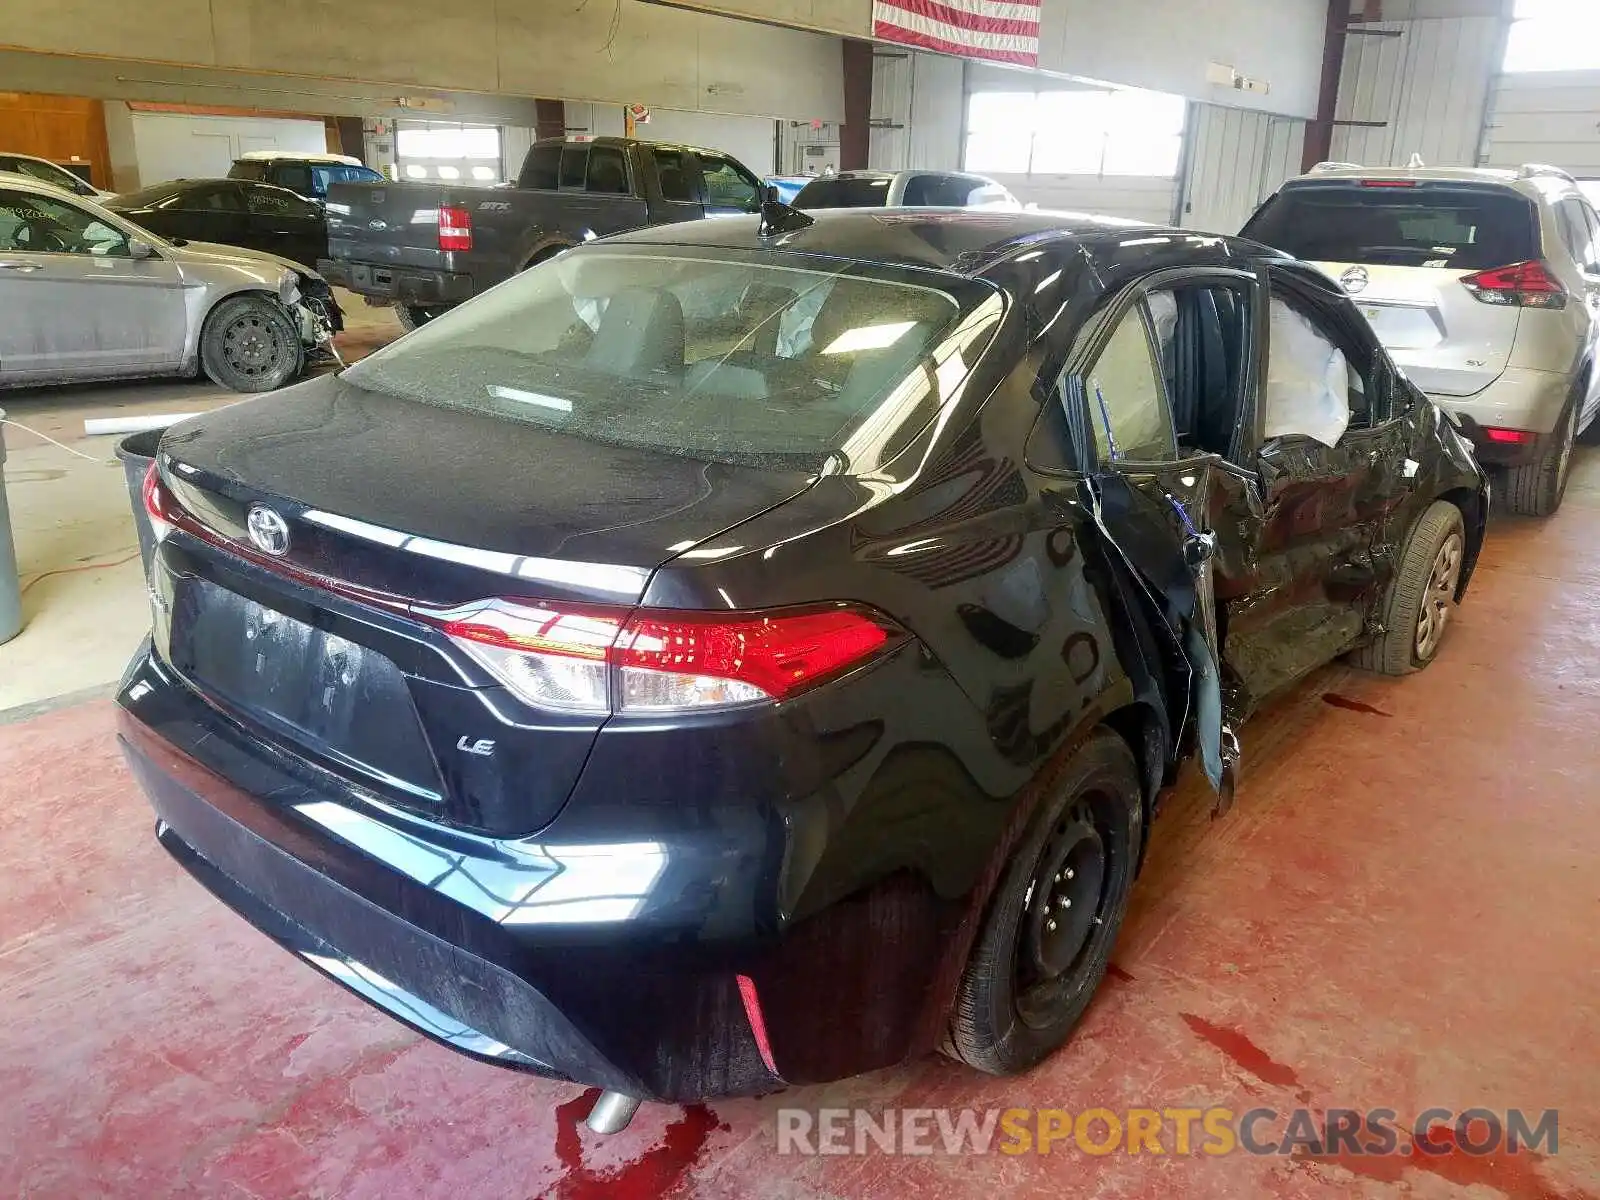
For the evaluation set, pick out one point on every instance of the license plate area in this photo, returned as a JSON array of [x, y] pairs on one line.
[[345, 703], [1403, 327]]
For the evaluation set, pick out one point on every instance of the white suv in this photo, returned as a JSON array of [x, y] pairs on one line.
[[1485, 287]]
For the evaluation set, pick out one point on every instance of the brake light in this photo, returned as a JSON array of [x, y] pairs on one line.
[[455, 228], [596, 660], [1521, 285], [155, 502], [1389, 183], [1510, 437]]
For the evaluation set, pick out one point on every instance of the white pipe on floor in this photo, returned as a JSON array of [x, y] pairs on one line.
[[98, 426]]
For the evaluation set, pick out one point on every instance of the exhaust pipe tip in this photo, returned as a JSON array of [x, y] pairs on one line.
[[612, 1112]]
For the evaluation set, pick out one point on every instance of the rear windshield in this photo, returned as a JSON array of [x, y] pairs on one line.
[[147, 198], [325, 177], [837, 192], [726, 359], [249, 168], [1460, 228]]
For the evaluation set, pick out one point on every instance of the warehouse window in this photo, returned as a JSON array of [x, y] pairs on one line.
[[1554, 35], [1081, 132], [432, 150]]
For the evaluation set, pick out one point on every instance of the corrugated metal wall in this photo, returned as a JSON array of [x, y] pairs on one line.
[[917, 100], [1428, 81], [1547, 117], [1236, 159]]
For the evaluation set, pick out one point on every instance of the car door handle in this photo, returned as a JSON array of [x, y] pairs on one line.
[[20, 266]]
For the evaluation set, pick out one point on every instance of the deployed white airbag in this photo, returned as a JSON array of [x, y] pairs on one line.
[[1308, 381]]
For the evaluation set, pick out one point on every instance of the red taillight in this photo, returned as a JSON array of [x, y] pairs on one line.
[[1521, 285], [155, 502], [455, 228], [1510, 437], [777, 655], [585, 659], [1389, 183]]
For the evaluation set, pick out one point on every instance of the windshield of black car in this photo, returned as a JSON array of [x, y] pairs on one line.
[[731, 359], [1459, 227], [844, 191]]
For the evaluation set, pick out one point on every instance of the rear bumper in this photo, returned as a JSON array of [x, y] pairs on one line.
[[1524, 400], [410, 286], [525, 953]]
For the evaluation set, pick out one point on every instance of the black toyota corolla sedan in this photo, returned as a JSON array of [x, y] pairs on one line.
[[746, 653]]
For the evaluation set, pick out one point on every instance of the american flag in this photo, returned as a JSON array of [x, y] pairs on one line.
[[999, 30]]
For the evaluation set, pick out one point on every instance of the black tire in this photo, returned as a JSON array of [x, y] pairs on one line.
[[1420, 587], [249, 344], [412, 317], [1023, 988], [544, 255], [1535, 489]]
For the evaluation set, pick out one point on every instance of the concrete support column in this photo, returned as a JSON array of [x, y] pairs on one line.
[[855, 135]]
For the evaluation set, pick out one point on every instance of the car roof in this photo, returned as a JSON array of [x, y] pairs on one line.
[[27, 183], [1530, 179], [962, 240], [269, 155]]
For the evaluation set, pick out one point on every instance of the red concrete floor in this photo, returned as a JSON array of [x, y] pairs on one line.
[[1400, 912]]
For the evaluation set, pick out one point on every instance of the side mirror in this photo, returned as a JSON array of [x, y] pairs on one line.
[[140, 249]]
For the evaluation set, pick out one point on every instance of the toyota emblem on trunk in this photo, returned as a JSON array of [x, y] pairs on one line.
[[268, 530], [1355, 280]]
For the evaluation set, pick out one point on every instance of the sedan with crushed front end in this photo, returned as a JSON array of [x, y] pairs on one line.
[[751, 652], [86, 295]]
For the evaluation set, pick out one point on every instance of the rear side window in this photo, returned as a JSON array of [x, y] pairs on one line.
[[942, 191], [217, 198], [574, 165], [726, 359], [542, 170], [325, 177], [249, 168], [1464, 228], [607, 174], [1127, 403], [294, 176], [837, 192], [675, 175]]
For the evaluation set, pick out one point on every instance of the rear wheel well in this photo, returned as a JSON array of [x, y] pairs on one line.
[[544, 252], [1141, 727], [1474, 518]]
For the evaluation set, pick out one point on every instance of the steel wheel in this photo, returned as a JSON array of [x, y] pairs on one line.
[[1065, 907], [249, 344], [1053, 917], [253, 347], [1439, 601]]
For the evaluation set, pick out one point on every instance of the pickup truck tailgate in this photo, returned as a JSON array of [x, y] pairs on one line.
[[386, 224]]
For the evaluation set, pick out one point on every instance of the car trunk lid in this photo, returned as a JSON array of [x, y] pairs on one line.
[[1448, 342], [314, 624], [387, 224]]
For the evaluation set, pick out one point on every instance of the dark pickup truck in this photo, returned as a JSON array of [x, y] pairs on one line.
[[425, 247]]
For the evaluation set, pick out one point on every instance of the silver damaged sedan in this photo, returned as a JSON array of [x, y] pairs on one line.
[[88, 295]]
